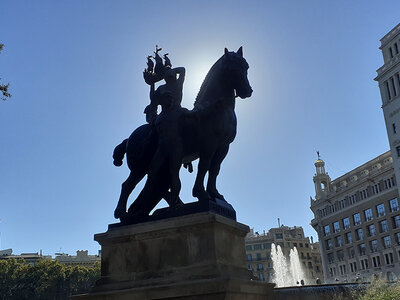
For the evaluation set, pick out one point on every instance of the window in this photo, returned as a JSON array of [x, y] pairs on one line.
[[258, 256], [279, 235], [388, 90], [364, 264], [387, 242], [346, 223], [349, 238], [371, 230], [394, 205], [267, 245], [336, 227], [328, 244], [368, 214], [351, 252], [376, 188], [261, 276], [360, 234], [389, 258], [398, 238], [374, 245], [353, 267], [306, 245], [362, 249], [391, 52], [294, 244], [339, 242], [260, 267], [331, 258], [327, 230], [357, 219], [383, 226], [249, 257], [396, 48], [376, 260], [396, 221], [398, 78], [394, 128], [394, 87], [340, 255], [398, 151], [249, 267], [301, 245], [257, 247], [380, 210], [249, 247], [342, 269]]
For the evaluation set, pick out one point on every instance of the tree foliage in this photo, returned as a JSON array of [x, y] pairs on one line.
[[4, 87], [47, 279], [381, 290]]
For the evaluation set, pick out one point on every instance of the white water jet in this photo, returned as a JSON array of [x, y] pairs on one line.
[[296, 269], [287, 273]]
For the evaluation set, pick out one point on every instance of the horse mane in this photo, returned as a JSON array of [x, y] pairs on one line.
[[201, 101]]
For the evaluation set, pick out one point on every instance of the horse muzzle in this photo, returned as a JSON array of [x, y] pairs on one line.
[[245, 93]]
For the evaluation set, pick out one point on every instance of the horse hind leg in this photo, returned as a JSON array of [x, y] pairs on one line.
[[199, 191], [126, 189], [215, 166]]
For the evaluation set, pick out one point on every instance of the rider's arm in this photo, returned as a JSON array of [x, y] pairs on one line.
[[152, 92], [181, 72]]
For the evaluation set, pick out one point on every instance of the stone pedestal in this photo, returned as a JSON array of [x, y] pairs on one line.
[[198, 256]]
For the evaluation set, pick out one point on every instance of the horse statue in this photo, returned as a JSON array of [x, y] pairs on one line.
[[180, 136]]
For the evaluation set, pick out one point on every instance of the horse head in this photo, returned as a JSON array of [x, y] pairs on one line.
[[235, 73]]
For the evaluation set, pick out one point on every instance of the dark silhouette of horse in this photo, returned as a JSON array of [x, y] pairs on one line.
[[159, 149]]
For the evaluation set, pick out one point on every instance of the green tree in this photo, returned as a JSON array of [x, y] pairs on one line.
[[45, 280], [4, 87]]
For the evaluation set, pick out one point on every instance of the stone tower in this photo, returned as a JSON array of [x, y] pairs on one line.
[[389, 85], [322, 181]]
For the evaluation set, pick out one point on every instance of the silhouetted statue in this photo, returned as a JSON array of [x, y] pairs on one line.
[[167, 61], [178, 136], [150, 64]]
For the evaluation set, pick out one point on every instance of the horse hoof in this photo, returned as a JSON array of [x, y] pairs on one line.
[[202, 195], [119, 213]]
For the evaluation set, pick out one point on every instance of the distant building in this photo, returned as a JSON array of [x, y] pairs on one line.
[[389, 86], [81, 258], [357, 219], [258, 251], [30, 258]]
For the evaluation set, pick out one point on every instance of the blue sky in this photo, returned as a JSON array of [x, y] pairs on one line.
[[75, 69]]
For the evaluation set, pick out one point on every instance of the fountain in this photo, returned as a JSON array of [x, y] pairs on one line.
[[287, 273]]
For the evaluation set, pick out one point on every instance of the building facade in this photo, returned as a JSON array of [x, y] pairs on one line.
[[258, 251], [357, 219], [389, 86], [29, 258], [81, 258]]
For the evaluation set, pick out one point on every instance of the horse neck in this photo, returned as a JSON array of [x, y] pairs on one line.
[[216, 93]]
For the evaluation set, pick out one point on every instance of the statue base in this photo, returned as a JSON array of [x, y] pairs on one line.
[[198, 256], [218, 206]]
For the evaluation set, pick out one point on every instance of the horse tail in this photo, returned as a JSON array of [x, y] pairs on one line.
[[119, 153]]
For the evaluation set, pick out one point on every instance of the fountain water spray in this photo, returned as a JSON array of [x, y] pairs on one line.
[[287, 273]]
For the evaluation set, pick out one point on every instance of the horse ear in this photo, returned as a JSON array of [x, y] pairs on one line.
[[226, 51], [240, 51]]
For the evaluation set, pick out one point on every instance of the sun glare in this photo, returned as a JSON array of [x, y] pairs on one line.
[[195, 74]]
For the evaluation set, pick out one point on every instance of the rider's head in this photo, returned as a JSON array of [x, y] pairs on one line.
[[169, 75]]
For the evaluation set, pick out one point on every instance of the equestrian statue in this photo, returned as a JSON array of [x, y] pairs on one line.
[[177, 136]]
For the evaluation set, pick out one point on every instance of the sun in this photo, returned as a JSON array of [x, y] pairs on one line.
[[195, 73]]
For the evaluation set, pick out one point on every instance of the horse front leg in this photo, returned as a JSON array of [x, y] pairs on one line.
[[199, 191], [215, 166], [126, 189]]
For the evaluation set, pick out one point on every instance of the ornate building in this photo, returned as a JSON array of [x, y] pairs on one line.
[[258, 251], [357, 219], [389, 85]]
